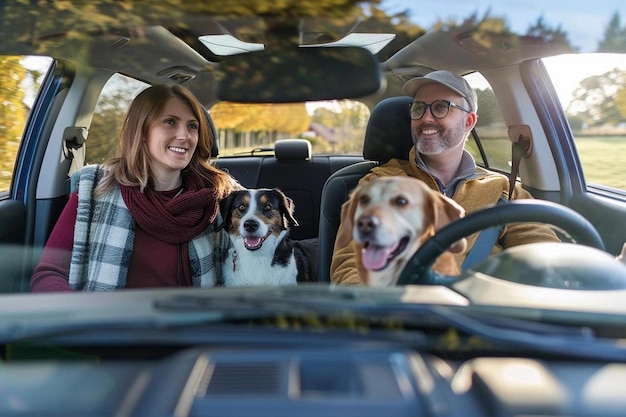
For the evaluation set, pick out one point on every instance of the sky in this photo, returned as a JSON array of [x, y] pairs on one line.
[[583, 21]]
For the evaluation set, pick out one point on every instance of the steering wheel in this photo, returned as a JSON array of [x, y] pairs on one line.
[[418, 270]]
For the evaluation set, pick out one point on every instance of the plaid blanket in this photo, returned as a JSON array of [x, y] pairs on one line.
[[104, 237]]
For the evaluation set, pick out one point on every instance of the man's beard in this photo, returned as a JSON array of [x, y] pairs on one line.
[[448, 138]]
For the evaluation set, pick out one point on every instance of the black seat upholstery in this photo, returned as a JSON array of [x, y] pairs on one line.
[[301, 178], [387, 136], [215, 151], [292, 149]]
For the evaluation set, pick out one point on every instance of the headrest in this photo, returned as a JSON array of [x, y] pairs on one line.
[[388, 132], [299, 149], [215, 150]]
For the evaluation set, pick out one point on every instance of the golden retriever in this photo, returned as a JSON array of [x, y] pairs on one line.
[[388, 219]]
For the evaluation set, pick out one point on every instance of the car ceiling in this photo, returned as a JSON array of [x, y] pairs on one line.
[[165, 48]]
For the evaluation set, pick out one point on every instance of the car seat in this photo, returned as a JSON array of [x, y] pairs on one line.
[[215, 150], [387, 136], [295, 172]]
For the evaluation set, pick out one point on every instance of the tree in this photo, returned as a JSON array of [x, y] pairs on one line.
[[108, 118], [380, 22], [347, 120], [488, 110], [13, 113], [620, 102], [241, 117], [597, 98], [614, 36], [540, 29]]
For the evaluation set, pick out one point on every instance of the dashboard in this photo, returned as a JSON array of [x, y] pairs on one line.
[[377, 380]]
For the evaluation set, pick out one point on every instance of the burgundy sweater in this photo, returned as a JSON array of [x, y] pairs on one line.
[[153, 263]]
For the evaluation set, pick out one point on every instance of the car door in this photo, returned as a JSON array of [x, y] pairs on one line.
[[572, 161], [21, 237], [588, 136]]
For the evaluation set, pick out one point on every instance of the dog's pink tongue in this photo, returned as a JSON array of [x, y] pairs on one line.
[[252, 242], [375, 257]]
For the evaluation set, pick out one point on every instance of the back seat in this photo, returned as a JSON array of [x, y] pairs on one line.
[[296, 172]]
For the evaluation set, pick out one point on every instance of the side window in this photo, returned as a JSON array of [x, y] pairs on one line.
[[490, 146], [18, 87], [109, 116], [592, 92]]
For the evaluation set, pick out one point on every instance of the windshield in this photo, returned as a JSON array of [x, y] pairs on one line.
[[256, 145], [312, 208]]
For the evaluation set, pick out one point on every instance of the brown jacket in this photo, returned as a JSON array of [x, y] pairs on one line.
[[483, 190]]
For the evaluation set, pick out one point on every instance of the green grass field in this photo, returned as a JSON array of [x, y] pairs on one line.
[[603, 160]]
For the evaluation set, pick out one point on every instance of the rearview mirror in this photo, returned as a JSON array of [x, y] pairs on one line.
[[298, 74]]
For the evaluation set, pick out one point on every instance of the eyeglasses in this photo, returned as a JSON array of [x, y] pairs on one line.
[[438, 108]]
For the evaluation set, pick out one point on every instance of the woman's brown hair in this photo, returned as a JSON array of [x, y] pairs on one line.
[[131, 166]]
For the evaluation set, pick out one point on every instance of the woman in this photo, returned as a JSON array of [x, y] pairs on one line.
[[147, 217]]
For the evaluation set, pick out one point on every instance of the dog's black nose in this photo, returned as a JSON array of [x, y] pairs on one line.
[[367, 224], [250, 226]]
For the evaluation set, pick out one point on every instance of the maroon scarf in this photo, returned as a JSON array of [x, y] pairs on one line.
[[173, 220]]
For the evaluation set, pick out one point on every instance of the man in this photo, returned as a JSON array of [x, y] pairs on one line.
[[442, 115]]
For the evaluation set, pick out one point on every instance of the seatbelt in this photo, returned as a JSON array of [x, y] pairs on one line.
[[518, 150], [483, 245], [520, 147], [521, 142]]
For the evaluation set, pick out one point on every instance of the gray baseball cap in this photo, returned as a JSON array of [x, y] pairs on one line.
[[445, 78]]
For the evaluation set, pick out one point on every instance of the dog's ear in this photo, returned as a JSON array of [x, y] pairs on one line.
[[347, 219], [446, 211], [226, 209], [287, 209]]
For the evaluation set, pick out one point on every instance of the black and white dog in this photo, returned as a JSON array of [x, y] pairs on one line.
[[258, 223]]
